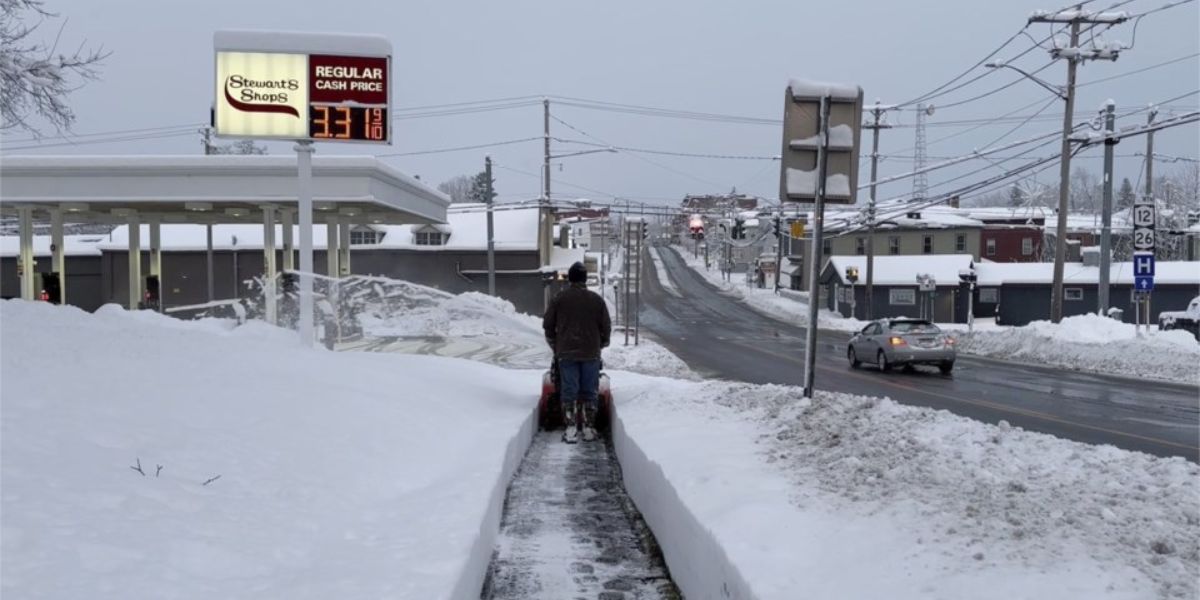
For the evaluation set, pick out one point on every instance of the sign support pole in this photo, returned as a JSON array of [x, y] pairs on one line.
[[814, 265], [304, 151]]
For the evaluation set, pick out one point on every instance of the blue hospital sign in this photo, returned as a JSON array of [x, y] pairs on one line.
[[1143, 265]]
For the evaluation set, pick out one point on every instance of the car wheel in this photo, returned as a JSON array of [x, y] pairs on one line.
[[882, 362], [853, 358], [946, 367]]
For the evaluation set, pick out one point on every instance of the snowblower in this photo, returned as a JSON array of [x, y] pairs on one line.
[[550, 413]]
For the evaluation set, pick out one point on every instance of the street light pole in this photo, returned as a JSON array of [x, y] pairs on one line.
[[1073, 55]]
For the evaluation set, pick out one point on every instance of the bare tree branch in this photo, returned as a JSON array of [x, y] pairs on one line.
[[211, 480], [138, 468], [34, 78]]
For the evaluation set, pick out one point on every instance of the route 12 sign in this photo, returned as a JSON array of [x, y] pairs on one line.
[[297, 86], [1143, 224]]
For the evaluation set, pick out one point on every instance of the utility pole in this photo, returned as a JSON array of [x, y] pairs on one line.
[[779, 246], [1073, 55], [545, 223], [877, 112], [1064, 184], [208, 228], [1106, 210], [491, 241]]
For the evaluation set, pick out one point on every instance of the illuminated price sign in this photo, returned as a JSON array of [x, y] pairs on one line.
[[287, 93]]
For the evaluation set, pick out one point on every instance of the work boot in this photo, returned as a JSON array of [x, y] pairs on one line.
[[571, 431], [589, 424]]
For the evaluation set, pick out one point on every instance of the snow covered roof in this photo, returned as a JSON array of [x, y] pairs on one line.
[[189, 188], [932, 217], [73, 245], [513, 229], [1121, 273], [901, 270], [352, 44]]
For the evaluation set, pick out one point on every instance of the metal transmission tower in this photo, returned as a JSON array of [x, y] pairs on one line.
[[921, 181], [1074, 55]]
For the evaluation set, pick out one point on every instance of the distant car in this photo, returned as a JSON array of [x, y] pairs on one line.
[[902, 342]]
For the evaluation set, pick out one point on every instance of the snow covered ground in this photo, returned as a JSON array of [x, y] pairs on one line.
[[320, 483], [756, 492], [1085, 343], [1093, 343]]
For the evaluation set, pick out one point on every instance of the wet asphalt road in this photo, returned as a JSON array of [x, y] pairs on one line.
[[721, 337]]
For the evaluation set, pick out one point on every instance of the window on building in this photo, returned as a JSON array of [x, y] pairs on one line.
[[1027, 246], [989, 295], [894, 244], [365, 236], [826, 246], [1073, 293], [860, 246], [991, 247], [902, 297], [927, 244], [430, 238], [960, 243]]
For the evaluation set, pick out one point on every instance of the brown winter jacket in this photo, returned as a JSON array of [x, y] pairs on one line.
[[577, 325]]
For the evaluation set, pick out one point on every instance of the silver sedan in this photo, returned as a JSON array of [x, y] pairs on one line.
[[895, 342]]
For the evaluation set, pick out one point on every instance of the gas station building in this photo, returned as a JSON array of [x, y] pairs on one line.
[[243, 189]]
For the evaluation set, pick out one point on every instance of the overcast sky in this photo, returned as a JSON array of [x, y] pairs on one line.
[[729, 57]]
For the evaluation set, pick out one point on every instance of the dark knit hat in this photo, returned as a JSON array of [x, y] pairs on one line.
[[577, 273]]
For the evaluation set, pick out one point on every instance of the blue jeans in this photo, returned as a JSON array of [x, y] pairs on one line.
[[579, 380]]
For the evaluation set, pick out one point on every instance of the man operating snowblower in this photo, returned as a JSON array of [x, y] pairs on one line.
[[577, 326]]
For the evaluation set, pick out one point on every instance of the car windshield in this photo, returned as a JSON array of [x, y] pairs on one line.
[[914, 327]]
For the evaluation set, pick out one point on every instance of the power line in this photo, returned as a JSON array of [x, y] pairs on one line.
[[641, 158], [933, 93], [135, 138], [668, 152], [459, 148]]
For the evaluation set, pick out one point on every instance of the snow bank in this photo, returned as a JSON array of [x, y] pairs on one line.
[[788, 306], [1094, 343], [660, 272], [321, 482], [403, 317], [754, 492]]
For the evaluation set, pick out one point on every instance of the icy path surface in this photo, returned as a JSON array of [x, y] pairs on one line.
[[570, 531]]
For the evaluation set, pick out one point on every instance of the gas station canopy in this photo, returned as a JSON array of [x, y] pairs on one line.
[[214, 189]]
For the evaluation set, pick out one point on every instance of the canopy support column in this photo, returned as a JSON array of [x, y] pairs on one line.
[[25, 267], [269, 263]]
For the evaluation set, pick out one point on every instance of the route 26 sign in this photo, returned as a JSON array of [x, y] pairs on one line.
[[1143, 224]]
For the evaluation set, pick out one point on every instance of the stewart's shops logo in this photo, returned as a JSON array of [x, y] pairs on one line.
[[266, 96]]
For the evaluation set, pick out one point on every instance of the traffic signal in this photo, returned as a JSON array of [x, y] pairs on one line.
[[802, 141], [739, 229], [51, 288], [852, 274]]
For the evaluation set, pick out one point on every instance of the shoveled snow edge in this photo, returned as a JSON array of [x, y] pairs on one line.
[[471, 580], [698, 564]]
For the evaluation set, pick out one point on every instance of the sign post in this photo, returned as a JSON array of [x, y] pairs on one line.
[[819, 163], [1144, 222], [303, 87]]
